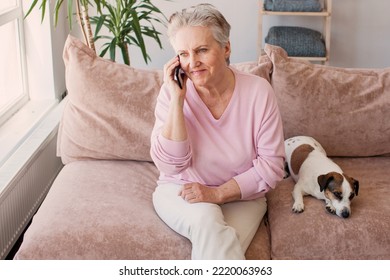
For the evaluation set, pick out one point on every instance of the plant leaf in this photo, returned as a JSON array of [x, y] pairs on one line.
[[112, 49], [43, 7], [57, 7], [138, 34], [34, 3], [99, 24]]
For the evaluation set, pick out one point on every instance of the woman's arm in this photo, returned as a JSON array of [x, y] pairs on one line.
[[268, 167], [170, 148]]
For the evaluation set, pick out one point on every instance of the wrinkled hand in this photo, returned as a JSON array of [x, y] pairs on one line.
[[196, 192], [169, 78]]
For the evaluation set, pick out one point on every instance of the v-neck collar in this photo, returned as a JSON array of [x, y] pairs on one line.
[[204, 107]]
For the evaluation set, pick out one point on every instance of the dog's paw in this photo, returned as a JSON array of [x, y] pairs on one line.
[[298, 208], [331, 209]]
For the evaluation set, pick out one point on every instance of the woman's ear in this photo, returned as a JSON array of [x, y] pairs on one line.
[[228, 51]]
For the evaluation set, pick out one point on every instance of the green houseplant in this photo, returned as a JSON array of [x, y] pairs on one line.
[[127, 22]]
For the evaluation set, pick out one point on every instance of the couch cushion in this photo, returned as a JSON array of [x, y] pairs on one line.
[[316, 234], [100, 209], [346, 110], [262, 68], [110, 110]]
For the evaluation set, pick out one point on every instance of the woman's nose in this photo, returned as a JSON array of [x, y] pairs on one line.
[[193, 60]]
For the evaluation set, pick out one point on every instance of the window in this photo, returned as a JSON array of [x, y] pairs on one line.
[[13, 78], [32, 73]]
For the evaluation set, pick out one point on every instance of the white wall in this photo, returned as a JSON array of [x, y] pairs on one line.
[[360, 35], [242, 16]]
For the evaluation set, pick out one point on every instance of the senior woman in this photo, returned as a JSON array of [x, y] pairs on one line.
[[217, 141]]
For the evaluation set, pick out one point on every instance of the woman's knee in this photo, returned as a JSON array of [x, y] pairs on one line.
[[207, 219]]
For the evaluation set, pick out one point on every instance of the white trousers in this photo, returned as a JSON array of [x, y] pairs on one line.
[[215, 231]]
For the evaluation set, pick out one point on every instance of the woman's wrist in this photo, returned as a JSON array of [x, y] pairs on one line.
[[229, 191], [175, 128]]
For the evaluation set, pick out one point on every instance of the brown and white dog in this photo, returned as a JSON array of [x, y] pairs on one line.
[[317, 175]]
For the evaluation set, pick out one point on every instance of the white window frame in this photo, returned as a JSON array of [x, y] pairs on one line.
[[16, 13], [45, 76]]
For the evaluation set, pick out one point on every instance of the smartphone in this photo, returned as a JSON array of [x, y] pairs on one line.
[[179, 76]]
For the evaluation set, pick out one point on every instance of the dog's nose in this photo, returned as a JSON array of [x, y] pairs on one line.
[[345, 213]]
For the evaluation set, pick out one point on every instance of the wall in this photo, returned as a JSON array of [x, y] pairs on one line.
[[359, 37], [361, 33]]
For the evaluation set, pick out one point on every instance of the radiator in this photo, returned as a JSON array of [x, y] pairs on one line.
[[29, 184]]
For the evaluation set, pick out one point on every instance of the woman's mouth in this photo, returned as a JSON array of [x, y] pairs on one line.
[[196, 73]]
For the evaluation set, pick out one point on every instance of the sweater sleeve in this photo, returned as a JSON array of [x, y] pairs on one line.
[[170, 157], [268, 167]]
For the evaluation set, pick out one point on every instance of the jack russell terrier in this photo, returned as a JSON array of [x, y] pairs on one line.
[[317, 175]]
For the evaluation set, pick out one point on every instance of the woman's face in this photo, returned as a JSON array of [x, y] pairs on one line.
[[201, 57]]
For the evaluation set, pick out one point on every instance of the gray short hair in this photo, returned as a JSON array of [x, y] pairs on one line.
[[205, 15]]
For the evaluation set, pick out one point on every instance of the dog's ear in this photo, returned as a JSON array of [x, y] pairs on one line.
[[324, 180], [286, 170], [355, 186]]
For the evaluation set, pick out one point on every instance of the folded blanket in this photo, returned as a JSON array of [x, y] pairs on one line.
[[293, 5], [297, 41]]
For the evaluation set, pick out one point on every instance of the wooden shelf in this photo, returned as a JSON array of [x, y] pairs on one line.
[[326, 14], [321, 59], [310, 14]]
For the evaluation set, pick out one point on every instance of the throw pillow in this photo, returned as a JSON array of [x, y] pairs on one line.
[[262, 68], [110, 109], [346, 110]]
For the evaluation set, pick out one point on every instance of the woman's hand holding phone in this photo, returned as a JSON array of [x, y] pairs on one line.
[[173, 71], [175, 80], [179, 76]]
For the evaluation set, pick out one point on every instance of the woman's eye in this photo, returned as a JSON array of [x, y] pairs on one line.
[[202, 50]]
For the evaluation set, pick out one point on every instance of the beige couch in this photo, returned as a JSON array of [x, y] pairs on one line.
[[100, 205]]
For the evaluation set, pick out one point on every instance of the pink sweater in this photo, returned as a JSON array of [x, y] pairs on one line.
[[246, 143]]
